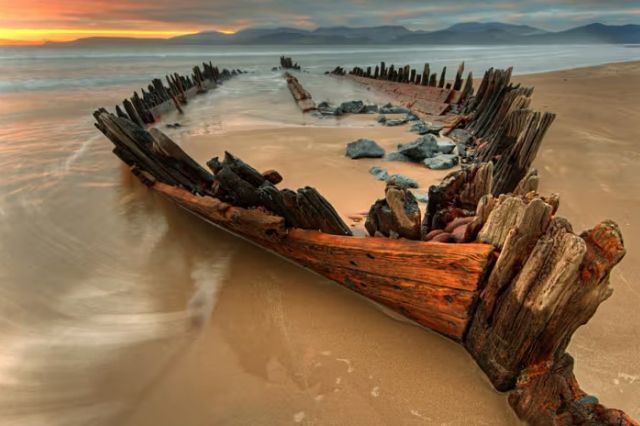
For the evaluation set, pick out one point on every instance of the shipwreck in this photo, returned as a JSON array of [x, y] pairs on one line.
[[489, 264]]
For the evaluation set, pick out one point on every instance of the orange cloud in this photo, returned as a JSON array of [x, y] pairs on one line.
[[37, 35]]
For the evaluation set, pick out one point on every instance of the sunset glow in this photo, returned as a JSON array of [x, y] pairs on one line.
[[40, 35]]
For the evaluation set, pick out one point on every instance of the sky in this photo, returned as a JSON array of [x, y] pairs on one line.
[[35, 21]]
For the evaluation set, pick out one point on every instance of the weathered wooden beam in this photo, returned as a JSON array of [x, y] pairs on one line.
[[425, 75], [442, 77], [300, 95]]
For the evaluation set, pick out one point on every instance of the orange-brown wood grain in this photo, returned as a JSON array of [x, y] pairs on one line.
[[431, 283]]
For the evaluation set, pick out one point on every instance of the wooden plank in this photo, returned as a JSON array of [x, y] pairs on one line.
[[443, 265]]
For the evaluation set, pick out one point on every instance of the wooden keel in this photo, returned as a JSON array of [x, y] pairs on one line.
[[433, 284]]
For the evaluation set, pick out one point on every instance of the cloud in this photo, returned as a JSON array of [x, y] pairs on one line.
[[198, 15]]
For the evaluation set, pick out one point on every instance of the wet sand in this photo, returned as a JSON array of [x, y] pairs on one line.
[[591, 158]]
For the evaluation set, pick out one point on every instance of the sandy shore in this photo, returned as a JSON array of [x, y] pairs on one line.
[[284, 346]]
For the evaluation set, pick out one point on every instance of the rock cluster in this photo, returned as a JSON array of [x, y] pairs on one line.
[[428, 150], [349, 107]]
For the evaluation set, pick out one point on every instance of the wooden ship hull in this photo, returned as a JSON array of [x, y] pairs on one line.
[[490, 265]]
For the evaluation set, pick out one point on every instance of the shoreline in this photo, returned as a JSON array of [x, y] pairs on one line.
[[578, 68]]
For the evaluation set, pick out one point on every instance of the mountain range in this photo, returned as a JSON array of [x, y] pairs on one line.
[[464, 33]]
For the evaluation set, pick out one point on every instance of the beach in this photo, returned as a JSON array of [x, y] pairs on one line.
[[157, 318]]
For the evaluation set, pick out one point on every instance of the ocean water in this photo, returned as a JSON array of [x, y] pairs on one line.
[[115, 305]]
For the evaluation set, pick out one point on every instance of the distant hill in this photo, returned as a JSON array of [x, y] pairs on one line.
[[474, 33], [479, 27], [594, 33], [110, 42], [379, 34]]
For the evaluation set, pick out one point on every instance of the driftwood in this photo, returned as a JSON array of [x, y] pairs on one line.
[[300, 95], [513, 290], [396, 215], [287, 63]]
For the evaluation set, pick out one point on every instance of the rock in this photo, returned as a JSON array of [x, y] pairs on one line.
[[435, 128], [423, 128], [423, 147], [364, 148], [396, 156], [174, 125], [352, 107], [444, 237], [370, 109], [458, 234], [420, 128], [381, 119], [446, 146], [432, 234], [395, 122], [379, 173], [421, 197], [393, 109], [272, 176], [460, 136], [325, 108], [411, 117], [441, 162], [457, 222], [402, 181]]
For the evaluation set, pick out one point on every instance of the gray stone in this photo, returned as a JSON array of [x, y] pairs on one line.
[[441, 162], [393, 109], [446, 146], [421, 197], [364, 148], [460, 136], [352, 107], [370, 109], [325, 108], [423, 147], [382, 119], [402, 181], [396, 156], [411, 117], [435, 128], [379, 173], [396, 122], [420, 128]]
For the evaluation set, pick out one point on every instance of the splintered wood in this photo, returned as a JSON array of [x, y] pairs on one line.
[[300, 95]]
